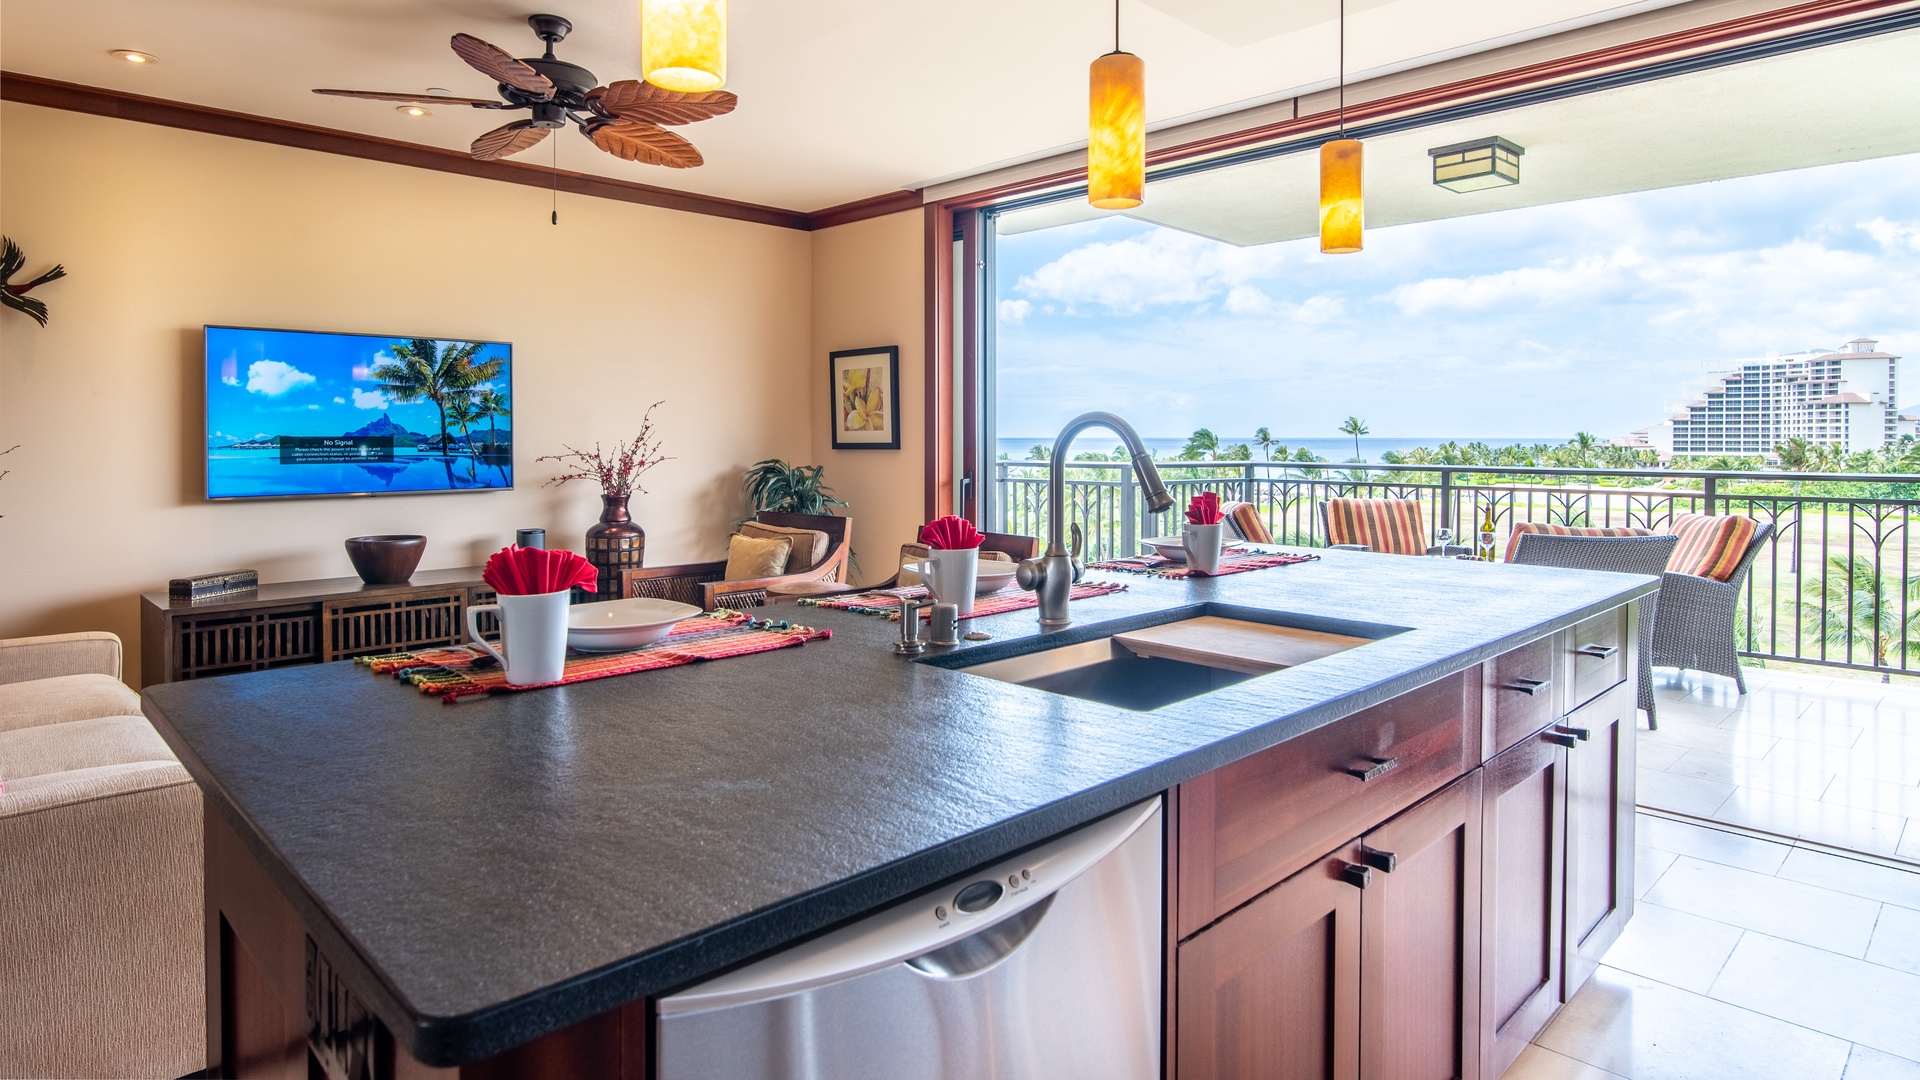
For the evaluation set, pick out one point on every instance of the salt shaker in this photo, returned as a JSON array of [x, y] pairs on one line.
[[945, 629]]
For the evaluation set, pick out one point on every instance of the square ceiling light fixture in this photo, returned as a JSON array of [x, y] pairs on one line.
[[1476, 165]]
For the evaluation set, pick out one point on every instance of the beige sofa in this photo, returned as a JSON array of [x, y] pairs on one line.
[[101, 930]]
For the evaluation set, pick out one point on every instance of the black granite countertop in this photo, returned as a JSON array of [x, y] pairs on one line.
[[486, 872]]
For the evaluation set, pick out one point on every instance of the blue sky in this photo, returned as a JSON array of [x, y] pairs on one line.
[[1587, 315], [276, 382]]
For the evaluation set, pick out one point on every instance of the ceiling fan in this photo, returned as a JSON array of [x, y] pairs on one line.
[[625, 118]]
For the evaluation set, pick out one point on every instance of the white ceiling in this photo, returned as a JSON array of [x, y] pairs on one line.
[[1839, 103], [840, 99]]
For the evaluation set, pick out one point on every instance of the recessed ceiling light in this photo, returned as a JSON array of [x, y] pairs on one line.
[[413, 110], [132, 57]]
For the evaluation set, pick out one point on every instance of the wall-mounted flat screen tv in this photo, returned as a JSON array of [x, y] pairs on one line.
[[297, 414]]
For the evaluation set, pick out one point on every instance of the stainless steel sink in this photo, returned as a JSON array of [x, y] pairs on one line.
[[1154, 661]]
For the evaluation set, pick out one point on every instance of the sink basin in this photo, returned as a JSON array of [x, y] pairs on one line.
[[1146, 663]]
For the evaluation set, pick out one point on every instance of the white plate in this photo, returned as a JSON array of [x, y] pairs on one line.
[[613, 625], [990, 575], [1174, 549]]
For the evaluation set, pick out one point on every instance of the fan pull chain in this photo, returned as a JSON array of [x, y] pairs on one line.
[[556, 174]]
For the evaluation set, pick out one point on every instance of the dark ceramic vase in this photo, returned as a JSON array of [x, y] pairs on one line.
[[386, 560], [616, 543]]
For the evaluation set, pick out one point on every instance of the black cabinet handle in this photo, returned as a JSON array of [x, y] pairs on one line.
[[1380, 767], [1598, 651], [1583, 734], [1557, 739], [1357, 876], [1530, 687], [1383, 861]]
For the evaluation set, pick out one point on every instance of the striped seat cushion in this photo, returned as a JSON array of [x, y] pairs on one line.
[[1246, 519], [1392, 526], [1523, 528], [1710, 547]]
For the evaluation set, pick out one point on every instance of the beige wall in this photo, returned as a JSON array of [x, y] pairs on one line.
[[869, 282], [163, 231]]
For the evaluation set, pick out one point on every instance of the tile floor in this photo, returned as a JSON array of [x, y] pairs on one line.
[[1747, 958], [1830, 760]]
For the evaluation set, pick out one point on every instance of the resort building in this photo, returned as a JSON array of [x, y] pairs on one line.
[[1845, 398]]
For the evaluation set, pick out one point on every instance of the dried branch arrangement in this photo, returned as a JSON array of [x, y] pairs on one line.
[[618, 471]]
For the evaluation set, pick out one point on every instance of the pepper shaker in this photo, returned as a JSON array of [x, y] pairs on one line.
[[945, 625]]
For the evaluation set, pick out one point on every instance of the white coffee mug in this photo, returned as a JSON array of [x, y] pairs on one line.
[[953, 574], [533, 631], [1203, 547]]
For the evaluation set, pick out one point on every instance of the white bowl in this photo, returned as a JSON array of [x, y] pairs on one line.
[[613, 625], [990, 575], [1174, 549]]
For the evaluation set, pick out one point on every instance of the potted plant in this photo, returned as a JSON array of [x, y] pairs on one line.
[[616, 542], [790, 489]]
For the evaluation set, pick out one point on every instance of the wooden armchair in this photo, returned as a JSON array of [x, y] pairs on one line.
[[704, 583]]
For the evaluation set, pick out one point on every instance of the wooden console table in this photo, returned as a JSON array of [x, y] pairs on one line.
[[304, 622]]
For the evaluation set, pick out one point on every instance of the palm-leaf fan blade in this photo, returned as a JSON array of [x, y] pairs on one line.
[[631, 99], [508, 139], [648, 144], [414, 99], [497, 63]]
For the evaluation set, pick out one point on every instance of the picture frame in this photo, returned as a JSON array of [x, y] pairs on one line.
[[863, 398]]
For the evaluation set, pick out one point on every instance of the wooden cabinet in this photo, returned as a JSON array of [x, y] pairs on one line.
[[1598, 651], [1522, 881], [1600, 808], [1273, 990], [1362, 967], [1250, 824], [1420, 940], [1524, 691]]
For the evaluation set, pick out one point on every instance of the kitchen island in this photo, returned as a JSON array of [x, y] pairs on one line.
[[502, 884]]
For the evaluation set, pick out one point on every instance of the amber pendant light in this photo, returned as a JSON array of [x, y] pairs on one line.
[[683, 44], [1117, 127], [1342, 216]]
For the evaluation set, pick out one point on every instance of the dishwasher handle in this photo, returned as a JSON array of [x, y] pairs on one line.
[[919, 926]]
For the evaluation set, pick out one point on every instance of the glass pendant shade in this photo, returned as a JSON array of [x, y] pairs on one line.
[[1117, 132], [683, 44], [1341, 218]]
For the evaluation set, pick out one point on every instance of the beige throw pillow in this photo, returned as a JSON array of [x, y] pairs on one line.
[[809, 545], [753, 557]]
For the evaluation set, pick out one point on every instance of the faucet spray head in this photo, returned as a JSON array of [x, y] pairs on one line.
[[1151, 486]]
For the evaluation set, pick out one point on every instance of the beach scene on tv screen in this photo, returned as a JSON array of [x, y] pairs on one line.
[[292, 413]]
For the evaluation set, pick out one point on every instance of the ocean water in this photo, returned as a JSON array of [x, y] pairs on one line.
[[1334, 449], [258, 473]]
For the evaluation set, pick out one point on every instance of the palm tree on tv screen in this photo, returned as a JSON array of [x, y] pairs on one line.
[[493, 404], [428, 370]]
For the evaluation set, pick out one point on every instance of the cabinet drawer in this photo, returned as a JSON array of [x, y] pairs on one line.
[[1598, 648], [1247, 825], [1524, 689]]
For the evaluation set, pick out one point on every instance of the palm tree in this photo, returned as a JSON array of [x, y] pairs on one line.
[[427, 370], [1039, 453], [1855, 601], [492, 405], [1796, 454], [1584, 447], [1203, 443], [1263, 439], [1355, 427], [463, 411]]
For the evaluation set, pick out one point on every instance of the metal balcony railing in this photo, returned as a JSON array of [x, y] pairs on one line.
[[1837, 584]]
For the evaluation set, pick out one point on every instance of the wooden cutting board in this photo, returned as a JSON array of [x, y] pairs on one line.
[[1235, 644]]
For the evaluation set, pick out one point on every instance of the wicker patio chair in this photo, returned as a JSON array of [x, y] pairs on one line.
[[1646, 555], [704, 584], [1695, 629]]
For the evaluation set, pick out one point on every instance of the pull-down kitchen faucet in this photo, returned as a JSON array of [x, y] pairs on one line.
[[1052, 574]]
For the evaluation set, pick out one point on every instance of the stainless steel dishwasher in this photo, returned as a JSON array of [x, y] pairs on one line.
[[1043, 965]]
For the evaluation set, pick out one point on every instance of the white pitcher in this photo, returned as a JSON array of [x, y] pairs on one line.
[[953, 573]]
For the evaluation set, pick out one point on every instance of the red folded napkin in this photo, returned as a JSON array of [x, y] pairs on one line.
[[1204, 509], [950, 534], [519, 571]]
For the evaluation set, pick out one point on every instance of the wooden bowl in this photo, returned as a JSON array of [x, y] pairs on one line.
[[386, 560]]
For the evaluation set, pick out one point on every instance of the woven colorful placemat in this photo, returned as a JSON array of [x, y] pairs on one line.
[[887, 601], [1239, 564], [451, 674]]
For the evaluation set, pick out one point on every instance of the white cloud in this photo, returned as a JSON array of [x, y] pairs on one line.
[[1894, 234], [1161, 267], [1558, 282], [1015, 312], [369, 399], [230, 380], [273, 378], [339, 401]]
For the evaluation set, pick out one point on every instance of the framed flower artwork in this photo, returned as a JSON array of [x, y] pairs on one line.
[[865, 385]]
